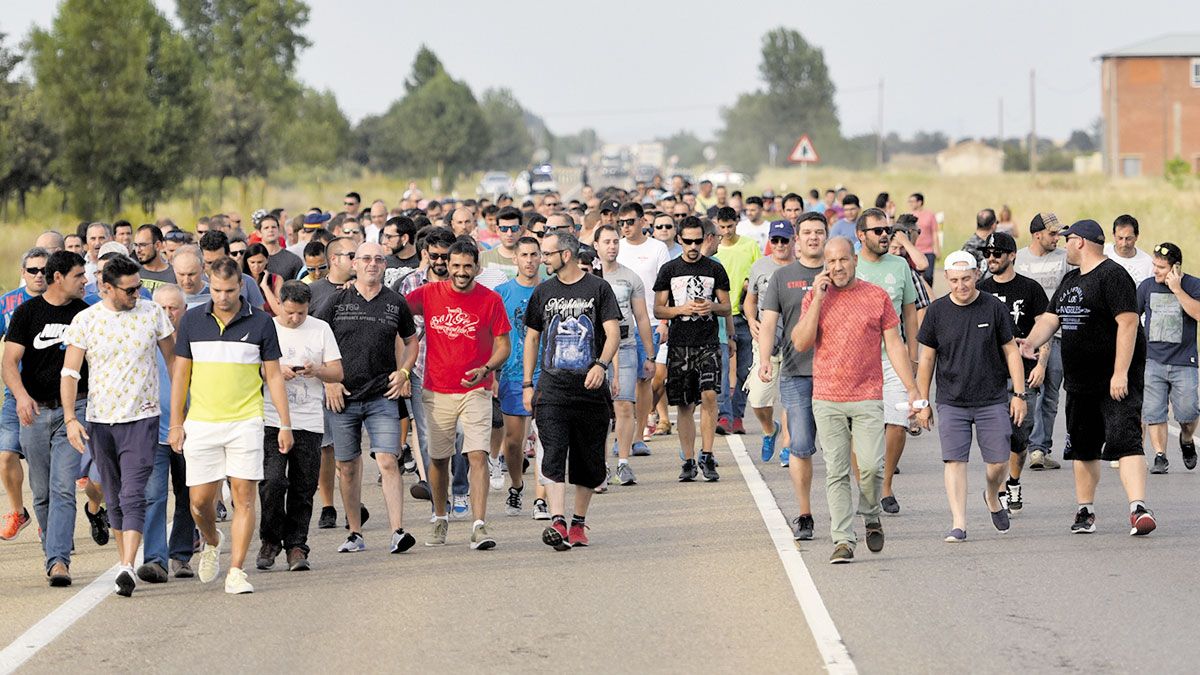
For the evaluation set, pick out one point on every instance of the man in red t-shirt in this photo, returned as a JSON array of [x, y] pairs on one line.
[[844, 318], [466, 340]]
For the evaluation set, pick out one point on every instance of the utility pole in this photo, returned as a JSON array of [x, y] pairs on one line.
[[1033, 157], [879, 130]]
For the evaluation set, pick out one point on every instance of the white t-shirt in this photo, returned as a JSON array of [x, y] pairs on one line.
[[122, 368], [1140, 266], [313, 343], [645, 259], [759, 233]]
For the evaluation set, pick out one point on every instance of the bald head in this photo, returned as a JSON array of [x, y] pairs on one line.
[[462, 221], [839, 245], [51, 241], [189, 268]]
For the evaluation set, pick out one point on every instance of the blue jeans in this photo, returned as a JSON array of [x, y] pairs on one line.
[[724, 404], [458, 464], [380, 416], [745, 356], [795, 393], [53, 468], [158, 548], [1047, 402]]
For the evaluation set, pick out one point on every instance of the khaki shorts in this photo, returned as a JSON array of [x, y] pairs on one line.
[[445, 414], [761, 394]]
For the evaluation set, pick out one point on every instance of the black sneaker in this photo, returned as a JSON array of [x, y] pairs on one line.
[[152, 573], [363, 514], [688, 474], [1161, 465], [874, 536], [99, 523], [328, 519], [1189, 453], [402, 541], [802, 527], [1014, 496], [890, 505], [407, 463], [1085, 522], [708, 466], [420, 490]]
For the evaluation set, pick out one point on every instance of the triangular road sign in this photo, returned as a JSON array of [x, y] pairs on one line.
[[804, 152]]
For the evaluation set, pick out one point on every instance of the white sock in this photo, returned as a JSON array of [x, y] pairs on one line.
[[621, 462], [477, 524]]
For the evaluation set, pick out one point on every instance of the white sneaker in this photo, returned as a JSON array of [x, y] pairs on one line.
[[495, 476], [353, 544], [236, 583], [210, 560], [540, 510], [460, 507]]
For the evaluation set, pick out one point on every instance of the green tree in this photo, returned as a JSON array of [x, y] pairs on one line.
[[318, 134], [798, 99], [512, 144], [91, 70], [426, 66], [685, 145], [30, 145], [440, 126]]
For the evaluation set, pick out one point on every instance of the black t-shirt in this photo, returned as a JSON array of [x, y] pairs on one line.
[[320, 289], [286, 264], [570, 319], [366, 335], [1025, 300], [971, 369], [39, 327], [686, 282], [1087, 306]]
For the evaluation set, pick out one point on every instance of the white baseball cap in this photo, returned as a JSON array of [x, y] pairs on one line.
[[960, 261]]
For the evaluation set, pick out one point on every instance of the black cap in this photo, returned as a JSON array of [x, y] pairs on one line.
[[1001, 241], [1086, 229], [610, 205]]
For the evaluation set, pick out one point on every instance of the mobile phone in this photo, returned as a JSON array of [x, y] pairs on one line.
[[296, 369]]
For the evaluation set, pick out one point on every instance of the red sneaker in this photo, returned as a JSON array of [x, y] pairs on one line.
[[12, 523], [556, 536], [738, 427], [578, 535], [1141, 522], [722, 426]]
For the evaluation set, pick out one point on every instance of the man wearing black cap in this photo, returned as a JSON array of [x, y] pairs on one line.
[[1104, 357], [1026, 301], [608, 211], [1170, 302], [1046, 264]]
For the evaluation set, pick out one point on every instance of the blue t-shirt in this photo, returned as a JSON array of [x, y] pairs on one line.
[[1170, 331], [516, 301], [847, 229], [9, 302]]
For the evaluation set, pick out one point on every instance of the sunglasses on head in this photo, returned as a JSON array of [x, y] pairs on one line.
[[1160, 250], [877, 231], [691, 242], [180, 237]]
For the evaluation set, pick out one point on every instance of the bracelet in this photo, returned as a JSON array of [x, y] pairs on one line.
[[527, 385], [407, 375], [284, 428], [177, 426], [73, 419]]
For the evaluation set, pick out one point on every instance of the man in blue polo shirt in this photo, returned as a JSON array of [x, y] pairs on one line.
[[218, 353]]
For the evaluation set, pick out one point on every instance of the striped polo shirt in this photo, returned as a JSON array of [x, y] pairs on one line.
[[226, 380]]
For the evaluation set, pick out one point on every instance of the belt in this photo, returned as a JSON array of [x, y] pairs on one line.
[[51, 404]]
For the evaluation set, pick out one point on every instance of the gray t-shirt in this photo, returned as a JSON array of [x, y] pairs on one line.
[[625, 283], [1047, 270], [760, 275], [785, 294]]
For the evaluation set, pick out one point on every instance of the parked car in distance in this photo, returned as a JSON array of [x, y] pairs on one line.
[[493, 184]]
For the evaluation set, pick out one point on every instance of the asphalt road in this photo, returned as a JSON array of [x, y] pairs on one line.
[[679, 577]]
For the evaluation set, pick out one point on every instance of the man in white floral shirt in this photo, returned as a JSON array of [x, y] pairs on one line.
[[118, 337]]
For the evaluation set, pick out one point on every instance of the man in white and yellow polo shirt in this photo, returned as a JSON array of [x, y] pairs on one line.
[[218, 353]]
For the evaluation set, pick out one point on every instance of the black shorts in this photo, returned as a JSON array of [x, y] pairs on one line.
[[573, 436], [1099, 427], [691, 370]]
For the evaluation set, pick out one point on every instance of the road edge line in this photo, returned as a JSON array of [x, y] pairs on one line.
[[829, 641]]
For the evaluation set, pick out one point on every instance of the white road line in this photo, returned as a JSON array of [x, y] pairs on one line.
[[829, 641], [43, 632]]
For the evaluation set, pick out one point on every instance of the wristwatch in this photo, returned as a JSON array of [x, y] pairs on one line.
[[1024, 396], [600, 363]]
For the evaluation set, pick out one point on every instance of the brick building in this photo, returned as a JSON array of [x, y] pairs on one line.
[[1151, 105]]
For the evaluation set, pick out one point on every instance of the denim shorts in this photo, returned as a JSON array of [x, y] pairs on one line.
[[1174, 384], [795, 394], [380, 416], [10, 427], [512, 402], [628, 373]]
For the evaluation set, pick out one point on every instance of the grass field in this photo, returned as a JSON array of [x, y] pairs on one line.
[[1166, 213]]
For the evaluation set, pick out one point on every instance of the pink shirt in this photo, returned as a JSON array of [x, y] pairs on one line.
[[849, 332], [928, 224]]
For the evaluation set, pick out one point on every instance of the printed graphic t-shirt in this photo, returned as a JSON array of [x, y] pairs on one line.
[[685, 282], [570, 319], [459, 331]]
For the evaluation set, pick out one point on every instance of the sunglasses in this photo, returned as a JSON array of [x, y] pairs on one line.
[[237, 254], [34, 271], [318, 268], [780, 240], [368, 259], [551, 203], [538, 233], [665, 226], [992, 253], [349, 204], [625, 222], [180, 237], [691, 242], [547, 254], [509, 228], [351, 233], [438, 256], [1160, 250], [131, 291], [877, 231]]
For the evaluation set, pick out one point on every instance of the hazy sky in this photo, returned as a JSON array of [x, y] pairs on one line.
[[636, 70]]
